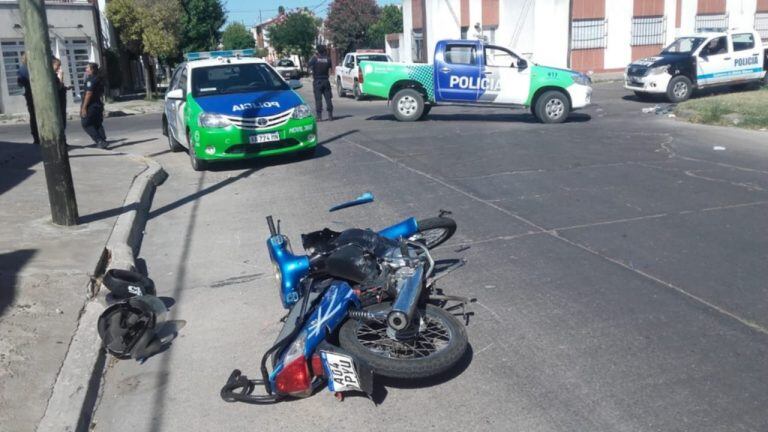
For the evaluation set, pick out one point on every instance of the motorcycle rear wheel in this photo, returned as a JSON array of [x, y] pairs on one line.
[[437, 348], [434, 231]]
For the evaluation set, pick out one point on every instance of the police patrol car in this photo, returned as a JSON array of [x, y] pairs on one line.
[[698, 61], [225, 105]]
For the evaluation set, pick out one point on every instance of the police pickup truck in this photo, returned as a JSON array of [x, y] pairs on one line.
[[348, 72], [471, 72], [698, 61]]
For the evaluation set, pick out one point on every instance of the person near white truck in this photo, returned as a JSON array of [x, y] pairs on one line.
[[700, 60], [348, 72]]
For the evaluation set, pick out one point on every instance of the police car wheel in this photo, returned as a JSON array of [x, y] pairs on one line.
[[197, 164], [552, 107], [679, 89], [425, 113], [356, 92], [408, 105], [339, 89], [173, 144]]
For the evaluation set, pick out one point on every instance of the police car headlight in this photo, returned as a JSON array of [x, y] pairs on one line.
[[582, 79], [213, 121], [658, 70], [302, 111]]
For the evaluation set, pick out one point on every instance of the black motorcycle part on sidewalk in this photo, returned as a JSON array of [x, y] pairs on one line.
[[124, 284], [129, 329]]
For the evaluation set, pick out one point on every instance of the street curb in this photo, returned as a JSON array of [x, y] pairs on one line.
[[75, 391]]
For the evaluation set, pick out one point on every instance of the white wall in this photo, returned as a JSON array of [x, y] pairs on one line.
[[741, 13], [443, 22], [688, 17], [406, 53], [670, 12], [516, 25], [550, 48], [618, 52]]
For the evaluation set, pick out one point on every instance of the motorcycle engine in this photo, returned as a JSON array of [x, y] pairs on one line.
[[355, 256]]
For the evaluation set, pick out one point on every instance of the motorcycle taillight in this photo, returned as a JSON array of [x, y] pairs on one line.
[[317, 365], [294, 379]]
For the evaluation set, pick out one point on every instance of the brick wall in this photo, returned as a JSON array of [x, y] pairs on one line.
[[490, 13], [648, 8], [711, 7]]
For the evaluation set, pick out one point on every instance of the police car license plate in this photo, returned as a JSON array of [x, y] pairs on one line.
[[263, 138], [341, 373]]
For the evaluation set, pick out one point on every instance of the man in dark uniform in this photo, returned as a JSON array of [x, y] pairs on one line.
[[320, 65], [92, 107], [22, 80]]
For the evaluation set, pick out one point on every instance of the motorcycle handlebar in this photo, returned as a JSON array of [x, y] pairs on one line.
[[271, 224]]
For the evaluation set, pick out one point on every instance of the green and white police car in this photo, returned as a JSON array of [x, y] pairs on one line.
[[225, 105]]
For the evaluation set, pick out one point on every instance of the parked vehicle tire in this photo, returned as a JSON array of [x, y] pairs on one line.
[[197, 164], [434, 350], [408, 105], [679, 89], [434, 231], [425, 112], [357, 92], [339, 89], [174, 145], [552, 107]]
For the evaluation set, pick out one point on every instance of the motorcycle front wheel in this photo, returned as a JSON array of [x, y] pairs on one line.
[[434, 231], [439, 344]]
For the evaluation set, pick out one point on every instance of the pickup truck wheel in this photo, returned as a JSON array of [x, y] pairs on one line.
[[679, 89], [552, 107], [425, 113], [408, 105], [339, 89], [357, 92]]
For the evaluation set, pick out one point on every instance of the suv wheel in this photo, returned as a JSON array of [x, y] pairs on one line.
[[339, 89], [552, 107], [679, 89], [408, 105]]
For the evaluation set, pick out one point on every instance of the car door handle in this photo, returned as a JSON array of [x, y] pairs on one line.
[[445, 69], [727, 58], [488, 73]]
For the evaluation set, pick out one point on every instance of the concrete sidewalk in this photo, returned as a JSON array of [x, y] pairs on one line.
[[111, 109], [45, 269]]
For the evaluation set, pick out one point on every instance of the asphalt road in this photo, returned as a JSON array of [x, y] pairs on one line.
[[619, 263]]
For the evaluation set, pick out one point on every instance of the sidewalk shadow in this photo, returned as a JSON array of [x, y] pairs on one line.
[[496, 118], [11, 264], [16, 161]]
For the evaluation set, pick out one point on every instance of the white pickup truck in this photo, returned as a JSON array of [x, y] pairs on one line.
[[700, 60], [348, 72]]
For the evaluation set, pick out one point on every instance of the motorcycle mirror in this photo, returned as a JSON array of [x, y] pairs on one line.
[[365, 198]]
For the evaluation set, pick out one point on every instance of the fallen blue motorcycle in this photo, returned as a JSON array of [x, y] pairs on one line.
[[361, 303]]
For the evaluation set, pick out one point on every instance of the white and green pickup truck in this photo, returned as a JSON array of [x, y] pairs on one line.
[[470, 72]]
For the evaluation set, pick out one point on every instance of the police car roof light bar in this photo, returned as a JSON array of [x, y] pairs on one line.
[[250, 52]]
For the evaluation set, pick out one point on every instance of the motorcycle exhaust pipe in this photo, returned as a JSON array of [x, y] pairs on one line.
[[404, 305]]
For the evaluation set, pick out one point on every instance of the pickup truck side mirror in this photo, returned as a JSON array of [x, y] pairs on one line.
[[176, 94], [522, 64]]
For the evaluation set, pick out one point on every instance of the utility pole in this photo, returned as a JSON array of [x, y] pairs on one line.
[[58, 175]]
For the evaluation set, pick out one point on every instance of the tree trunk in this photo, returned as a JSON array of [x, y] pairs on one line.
[[147, 76], [58, 175]]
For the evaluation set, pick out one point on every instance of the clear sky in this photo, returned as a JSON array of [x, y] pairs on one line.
[[247, 11]]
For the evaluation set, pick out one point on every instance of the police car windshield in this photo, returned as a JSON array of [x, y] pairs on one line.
[[372, 57], [684, 45], [235, 78]]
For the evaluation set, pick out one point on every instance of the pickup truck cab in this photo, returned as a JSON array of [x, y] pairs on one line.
[[348, 72], [287, 69], [698, 61], [471, 72]]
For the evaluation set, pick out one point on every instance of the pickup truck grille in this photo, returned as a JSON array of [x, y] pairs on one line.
[[637, 71], [259, 123]]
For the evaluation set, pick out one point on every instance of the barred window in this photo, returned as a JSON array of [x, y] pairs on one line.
[[12, 51], [417, 50], [715, 23], [648, 30], [589, 34], [761, 24]]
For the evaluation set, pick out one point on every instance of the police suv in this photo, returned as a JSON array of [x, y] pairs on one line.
[[699, 61], [225, 105]]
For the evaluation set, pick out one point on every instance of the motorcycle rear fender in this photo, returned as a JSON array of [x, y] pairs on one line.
[[405, 229]]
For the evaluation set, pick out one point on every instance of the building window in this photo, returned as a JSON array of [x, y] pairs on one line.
[[12, 51], [761, 24], [78, 56], [713, 23], [648, 30], [588, 34], [418, 48]]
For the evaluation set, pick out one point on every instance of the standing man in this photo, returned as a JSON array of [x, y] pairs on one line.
[[92, 107], [320, 65], [22, 80]]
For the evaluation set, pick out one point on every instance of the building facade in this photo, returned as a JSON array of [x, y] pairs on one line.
[[586, 35], [72, 27]]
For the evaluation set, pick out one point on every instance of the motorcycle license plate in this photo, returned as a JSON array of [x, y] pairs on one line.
[[341, 372], [263, 138]]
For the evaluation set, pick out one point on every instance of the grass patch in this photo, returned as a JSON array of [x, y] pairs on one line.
[[747, 109]]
